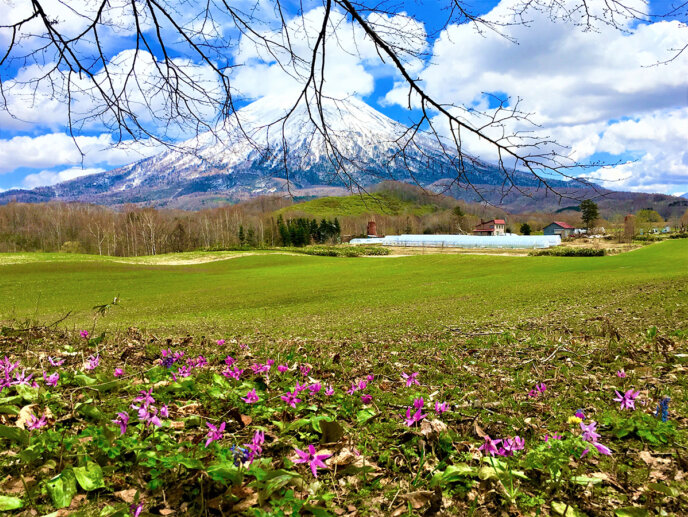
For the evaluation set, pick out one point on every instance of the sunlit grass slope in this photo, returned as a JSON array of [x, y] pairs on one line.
[[284, 295]]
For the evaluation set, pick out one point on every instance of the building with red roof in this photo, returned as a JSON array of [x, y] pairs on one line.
[[492, 227], [558, 228]]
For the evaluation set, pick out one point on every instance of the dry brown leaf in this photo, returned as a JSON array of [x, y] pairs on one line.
[[247, 503], [417, 499], [432, 428], [127, 495]]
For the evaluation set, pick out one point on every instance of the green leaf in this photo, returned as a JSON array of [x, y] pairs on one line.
[[190, 463], [90, 477], [84, 380], [571, 511], [452, 474], [631, 511], [275, 481], [9, 410], [365, 414], [90, 412], [28, 393], [15, 434], [14, 399], [225, 472], [62, 488], [10, 503], [586, 480], [664, 489]]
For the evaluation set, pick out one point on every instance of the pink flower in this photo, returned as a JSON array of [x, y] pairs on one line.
[[627, 400], [255, 447], [251, 397], [362, 385], [353, 389], [182, 373], [243, 346], [415, 418], [93, 362], [136, 509], [291, 398], [410, 379], [122, 420], [270, 362], [118, 372], [229, 360], [315, 388], [234, 373], [164, 411], [490, 446], [282, 368], [305, 369], [366, 399], [84, 334], [555, 436], [511, 445], [313, 459], [220, 342], [590, 433], [146, 397], [56, 362], [35, 423], [215, 433], [418, 403], [621, 374], [52, 379], [440, 408], [300, 387], [370, 378], [329, 391]]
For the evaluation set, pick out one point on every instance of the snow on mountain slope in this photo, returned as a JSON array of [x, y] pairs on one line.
[[256, 152]]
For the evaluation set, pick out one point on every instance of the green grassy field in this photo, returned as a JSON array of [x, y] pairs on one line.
[[288, 295], [381, 203]]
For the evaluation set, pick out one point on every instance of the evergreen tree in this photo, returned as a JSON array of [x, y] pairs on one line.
[[525, 229], [242, 237], [589, 213]]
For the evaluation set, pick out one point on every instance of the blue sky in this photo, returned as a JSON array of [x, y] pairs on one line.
[[599, 92]]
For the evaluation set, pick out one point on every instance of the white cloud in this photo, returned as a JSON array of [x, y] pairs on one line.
[[577, 84], [59, 149], [47, 178]]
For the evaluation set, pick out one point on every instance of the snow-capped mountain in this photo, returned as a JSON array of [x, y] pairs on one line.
[[261, 151]]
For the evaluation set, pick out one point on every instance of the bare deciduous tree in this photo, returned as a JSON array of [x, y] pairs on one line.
[[178, 75]]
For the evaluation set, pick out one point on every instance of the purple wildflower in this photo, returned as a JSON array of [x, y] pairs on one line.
[[291, 398], [410, 379], [146, 397], [579, 414], [366, 398], [282, 368], [22, 378], [353, 389], [313, 459], [215, 433], [329, 391], [255, 447], [93, 362], [440, 408], [370, 378], [555, 436], [55, 362], [627, 400], [490, 446], [590, 433], [136, 509], [118, 372], [52, 379], [122, 421], [300, 387], [234, 373], [511, 445], [165, 411], [229, 360], [84, 334], [182, 373], [36, 423], [251, 397], [305, 369], [315, 388], [418, 403], [621, 374], [415, 418], [220, 342]]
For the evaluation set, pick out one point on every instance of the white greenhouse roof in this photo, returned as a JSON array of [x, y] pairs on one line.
[[465, 241]]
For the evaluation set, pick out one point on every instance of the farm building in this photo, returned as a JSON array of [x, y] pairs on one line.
[[508, 241], [558, 228], [492, 227]]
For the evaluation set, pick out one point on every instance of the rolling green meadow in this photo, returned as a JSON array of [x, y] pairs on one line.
[[265, 383], [283, 295]]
